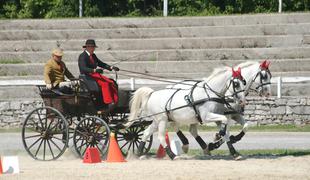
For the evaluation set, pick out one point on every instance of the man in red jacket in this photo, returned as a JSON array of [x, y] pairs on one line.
[[88, 65]]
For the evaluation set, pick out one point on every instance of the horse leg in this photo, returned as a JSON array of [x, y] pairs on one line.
[[162, 125], [146, 134], [223, 126], [194, 132], [239, 118], [182, 137], [184, 141], [230, 146]]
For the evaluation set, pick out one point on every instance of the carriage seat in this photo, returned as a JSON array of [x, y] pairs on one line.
[[92, 87]]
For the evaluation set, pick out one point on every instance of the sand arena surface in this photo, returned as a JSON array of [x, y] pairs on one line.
[[69, 167]]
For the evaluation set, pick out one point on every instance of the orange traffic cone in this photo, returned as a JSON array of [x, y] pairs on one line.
[[92, 155], [161, 152], [114, 154], [1, 171]]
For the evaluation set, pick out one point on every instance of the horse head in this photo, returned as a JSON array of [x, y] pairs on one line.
[[236, 87], [263, 79]]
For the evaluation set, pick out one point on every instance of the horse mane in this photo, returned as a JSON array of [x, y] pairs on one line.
[[246, 64], [215, 72]]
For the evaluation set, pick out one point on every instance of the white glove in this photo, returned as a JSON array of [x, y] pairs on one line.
[[65, 83], [49, 86]]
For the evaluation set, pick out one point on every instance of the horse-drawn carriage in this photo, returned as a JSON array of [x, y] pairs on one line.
[[79, 116], [79, 119]]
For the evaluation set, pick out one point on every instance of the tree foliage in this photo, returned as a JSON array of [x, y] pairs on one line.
[[100, 8]]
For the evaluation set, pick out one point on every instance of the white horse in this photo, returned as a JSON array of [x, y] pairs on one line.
[[254, 73], [202, 102]]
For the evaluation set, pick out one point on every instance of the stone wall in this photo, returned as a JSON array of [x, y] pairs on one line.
[[287, 110]]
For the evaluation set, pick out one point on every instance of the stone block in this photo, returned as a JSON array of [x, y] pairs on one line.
[[4, 105], [278, 110], [15, 105], [268, 102], [261, 112], [303, 101], [289, 110], [250, 107], [280, 101], [301, 110]]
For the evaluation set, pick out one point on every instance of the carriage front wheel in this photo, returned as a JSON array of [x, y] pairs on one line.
[[45, 134], [91, 132]]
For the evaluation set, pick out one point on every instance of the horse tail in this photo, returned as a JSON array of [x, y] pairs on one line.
[[138, 103]]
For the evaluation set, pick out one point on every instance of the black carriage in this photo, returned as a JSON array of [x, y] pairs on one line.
[[79, 118]]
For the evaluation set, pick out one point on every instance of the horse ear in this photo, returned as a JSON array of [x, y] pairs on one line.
[[239, 71], [234, 73], [267, 64]]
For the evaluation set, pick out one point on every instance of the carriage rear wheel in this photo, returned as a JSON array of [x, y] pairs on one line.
[[130, 138], [91, 132], [45, 134]]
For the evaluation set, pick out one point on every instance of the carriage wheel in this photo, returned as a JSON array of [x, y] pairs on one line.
[[91, 132], [45, 134], [130, 138]]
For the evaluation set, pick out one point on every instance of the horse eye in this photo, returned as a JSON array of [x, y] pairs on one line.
[[244, 82], [236, 84]]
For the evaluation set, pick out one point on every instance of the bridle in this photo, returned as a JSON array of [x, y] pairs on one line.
[[262, 76], [236, 85]]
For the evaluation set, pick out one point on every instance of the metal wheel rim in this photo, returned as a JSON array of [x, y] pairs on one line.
[[49, 129]]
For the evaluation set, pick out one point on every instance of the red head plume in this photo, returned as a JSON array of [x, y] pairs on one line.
[[236, 74], [265, 64]]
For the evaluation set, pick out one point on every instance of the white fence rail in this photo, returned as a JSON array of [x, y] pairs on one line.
[[132, 82]]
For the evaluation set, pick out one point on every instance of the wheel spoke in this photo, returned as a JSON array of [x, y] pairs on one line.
[[101, 152], [44, 148], [55, 145], [32, 136], [34, 143], [38, 148], [40, 119], [49, 146], [124, 144]]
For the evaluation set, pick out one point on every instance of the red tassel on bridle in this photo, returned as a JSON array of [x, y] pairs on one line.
[[237, 74], [265, 64]]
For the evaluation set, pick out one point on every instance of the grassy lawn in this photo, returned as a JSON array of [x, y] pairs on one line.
[[262, 128], [11, 61]]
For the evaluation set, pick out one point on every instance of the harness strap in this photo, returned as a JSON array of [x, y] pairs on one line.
[[190, 101], [168, 104]]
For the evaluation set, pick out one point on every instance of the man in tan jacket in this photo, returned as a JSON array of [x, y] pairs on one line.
[[55, 71]]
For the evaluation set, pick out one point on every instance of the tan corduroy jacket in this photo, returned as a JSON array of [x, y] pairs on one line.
[[54, 74]]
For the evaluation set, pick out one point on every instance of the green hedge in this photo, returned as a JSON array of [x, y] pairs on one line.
[[100, 8]]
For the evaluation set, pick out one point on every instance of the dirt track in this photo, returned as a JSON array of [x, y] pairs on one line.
[[195, 168]]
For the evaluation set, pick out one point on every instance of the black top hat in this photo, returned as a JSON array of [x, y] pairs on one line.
[[90, 42]]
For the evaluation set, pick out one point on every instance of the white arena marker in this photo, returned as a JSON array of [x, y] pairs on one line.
[[10, 165]]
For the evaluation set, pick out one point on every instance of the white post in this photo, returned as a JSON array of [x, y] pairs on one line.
[[279, 86], [132, 83], [80, 8], [280, 6], [165, 8]]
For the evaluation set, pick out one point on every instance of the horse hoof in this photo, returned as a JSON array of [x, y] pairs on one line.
[[185, 148], [176, 158], [206, 152], [143, 157], [237, 157]]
